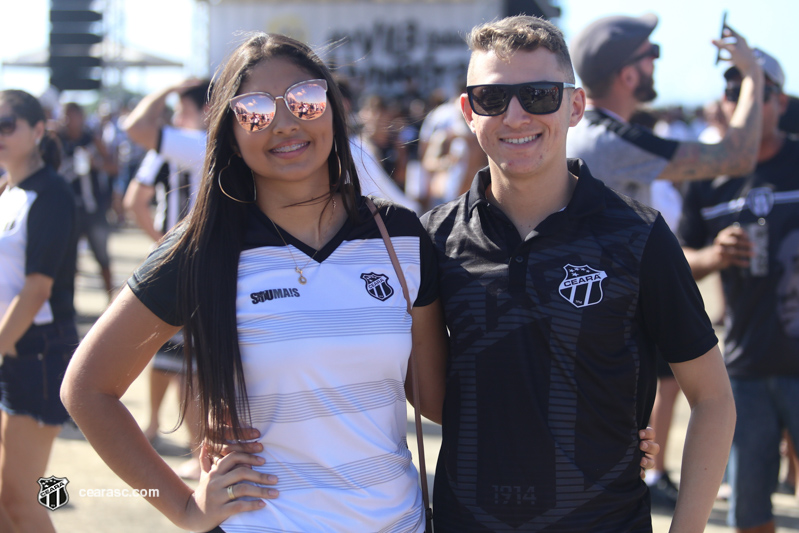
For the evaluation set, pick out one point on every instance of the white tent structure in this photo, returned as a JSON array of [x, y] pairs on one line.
[[121, 57]]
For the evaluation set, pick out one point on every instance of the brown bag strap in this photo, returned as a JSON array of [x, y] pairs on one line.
[[414, 375]]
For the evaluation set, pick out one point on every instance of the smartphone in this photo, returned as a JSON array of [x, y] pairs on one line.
[[723, 27]]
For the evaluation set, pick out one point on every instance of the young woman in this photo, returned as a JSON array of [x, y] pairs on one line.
[[292, 312], [38, 243]]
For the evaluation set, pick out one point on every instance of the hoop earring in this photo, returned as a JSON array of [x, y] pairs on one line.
[[254, 189], [338, 160]]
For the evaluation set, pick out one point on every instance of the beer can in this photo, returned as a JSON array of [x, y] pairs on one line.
[[758, 236]]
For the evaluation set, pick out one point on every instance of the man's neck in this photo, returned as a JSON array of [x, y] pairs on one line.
[[770, 145], [623, 107], [73, 134], [527, 202]]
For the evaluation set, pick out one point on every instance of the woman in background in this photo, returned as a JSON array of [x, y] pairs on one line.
[[38, 243]]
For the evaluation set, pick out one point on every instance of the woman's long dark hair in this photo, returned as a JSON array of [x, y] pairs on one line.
[[27, 107], [208, 250]]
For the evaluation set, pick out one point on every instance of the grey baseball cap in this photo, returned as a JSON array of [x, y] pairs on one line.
[[605, 45], [771, 68]]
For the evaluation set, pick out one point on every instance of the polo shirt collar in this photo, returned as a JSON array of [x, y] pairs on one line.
[[477, 192], [588, 197]]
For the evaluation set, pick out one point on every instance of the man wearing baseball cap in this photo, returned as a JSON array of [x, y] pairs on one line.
[[746, 226], [615, 61]]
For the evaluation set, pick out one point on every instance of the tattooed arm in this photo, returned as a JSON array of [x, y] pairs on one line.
[[736, 154]]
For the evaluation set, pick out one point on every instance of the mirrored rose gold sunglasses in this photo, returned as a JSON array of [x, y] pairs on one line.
[[306, 100]]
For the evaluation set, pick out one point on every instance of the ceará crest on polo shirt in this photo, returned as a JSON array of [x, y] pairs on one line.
[[582, 285]]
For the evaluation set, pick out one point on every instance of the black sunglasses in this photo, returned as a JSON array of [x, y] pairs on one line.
[[8, 125], [537, 98], [733, 93], [653, 52]]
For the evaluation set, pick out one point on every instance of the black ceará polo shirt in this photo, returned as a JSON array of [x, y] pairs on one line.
[[551, 370]]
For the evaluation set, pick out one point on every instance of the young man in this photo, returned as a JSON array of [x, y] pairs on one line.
[[616, 62], [747, 227], [557, 292]]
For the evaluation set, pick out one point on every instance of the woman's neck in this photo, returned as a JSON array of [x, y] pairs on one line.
[[18, 172], [313, 220]]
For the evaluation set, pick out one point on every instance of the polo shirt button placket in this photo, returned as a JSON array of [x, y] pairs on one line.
[[517, 271]]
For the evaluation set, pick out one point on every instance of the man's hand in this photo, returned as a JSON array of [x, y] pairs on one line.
[[731, 247], [741, 55], [185, 85], [650, 449]]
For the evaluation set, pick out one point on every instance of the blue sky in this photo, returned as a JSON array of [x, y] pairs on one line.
[[685, 73]]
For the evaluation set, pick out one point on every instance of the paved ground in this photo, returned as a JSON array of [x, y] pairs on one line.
[[74, 459]]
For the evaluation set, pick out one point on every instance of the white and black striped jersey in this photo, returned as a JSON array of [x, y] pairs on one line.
[[38, 235], [174, 168], [325, 363], [551, 370], [174, 189]]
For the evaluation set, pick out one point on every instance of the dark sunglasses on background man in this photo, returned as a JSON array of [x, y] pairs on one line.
[[537, 98], [733, 93], [653, 52], [8, 125], [306, 100]]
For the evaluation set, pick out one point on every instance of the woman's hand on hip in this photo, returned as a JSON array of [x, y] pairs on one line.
[[228, 485]]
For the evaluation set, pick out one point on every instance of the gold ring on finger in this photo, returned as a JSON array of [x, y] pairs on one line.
[[230, 494]]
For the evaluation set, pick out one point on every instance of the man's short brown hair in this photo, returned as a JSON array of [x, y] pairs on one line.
[[509, 35]]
